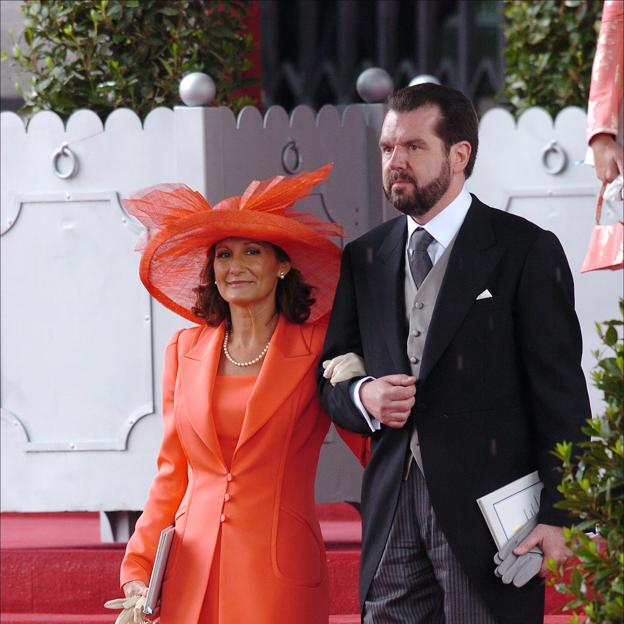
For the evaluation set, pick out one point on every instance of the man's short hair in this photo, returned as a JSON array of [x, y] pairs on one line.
[[458, 119]]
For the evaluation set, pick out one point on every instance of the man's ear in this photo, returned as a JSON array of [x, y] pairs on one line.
[[460, 155]]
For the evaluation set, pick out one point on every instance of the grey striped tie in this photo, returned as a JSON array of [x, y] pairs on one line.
[[419, 260]]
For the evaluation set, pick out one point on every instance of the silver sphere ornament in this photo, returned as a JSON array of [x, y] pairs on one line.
[[422, 79], [197, 89], [374, 85]]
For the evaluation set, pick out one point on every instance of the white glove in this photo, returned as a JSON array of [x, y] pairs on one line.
[[343, 367], [132, 609], [515, 569]]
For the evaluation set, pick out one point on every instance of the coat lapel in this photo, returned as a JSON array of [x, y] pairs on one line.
[[387, 287], [198, 370], [473, 257], [287, 361]]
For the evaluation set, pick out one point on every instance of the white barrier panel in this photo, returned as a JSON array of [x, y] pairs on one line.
[[81, 341]]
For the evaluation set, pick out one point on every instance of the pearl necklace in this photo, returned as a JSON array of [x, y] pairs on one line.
[[251, 362]]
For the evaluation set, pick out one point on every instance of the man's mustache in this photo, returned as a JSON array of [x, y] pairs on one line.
[[400, 175]]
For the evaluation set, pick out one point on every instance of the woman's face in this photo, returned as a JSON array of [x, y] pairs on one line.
[[246, 271]]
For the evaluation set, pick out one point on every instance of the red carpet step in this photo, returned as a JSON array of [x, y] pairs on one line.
[[47, 618], [55, 570]]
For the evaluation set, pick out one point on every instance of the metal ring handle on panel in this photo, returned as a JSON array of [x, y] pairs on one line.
[[554, 152], [64, 150], [291, 146]]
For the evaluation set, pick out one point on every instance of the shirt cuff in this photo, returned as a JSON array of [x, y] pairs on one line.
[[354, 393]]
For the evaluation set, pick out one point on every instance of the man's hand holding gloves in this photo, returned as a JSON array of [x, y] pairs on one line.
[[519, 570]]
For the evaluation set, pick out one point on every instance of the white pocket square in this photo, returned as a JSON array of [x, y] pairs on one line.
[[486, 294]]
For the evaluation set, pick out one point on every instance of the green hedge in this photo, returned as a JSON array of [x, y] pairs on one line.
[[593, 490], [104, 54], [550, 46]]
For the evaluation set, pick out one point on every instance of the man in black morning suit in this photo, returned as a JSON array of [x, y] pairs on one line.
[[467, 329]]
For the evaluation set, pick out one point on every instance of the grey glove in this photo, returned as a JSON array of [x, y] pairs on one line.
[[515, 569]]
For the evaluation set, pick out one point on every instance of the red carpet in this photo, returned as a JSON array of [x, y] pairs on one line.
[[55, 570]]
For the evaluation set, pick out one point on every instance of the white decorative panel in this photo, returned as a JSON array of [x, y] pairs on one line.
[[76, 325], [238, 150]]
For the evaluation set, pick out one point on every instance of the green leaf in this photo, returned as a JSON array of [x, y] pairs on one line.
[[611, 336], [167, 66], [171, 11]]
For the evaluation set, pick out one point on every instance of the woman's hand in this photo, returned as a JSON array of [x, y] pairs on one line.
[[132, 605], [138, 588], [343, 367], [135, 588], [608, 157]]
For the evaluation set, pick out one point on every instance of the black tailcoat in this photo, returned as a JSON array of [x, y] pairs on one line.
[[500, 383]]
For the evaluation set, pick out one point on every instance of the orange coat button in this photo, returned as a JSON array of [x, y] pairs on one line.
[[227, 498], [222, 517], [229, 476]]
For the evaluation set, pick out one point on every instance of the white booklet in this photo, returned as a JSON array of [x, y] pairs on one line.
[[507, 509], [158, 571]]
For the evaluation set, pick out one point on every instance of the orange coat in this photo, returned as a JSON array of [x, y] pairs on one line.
[[273, 566]]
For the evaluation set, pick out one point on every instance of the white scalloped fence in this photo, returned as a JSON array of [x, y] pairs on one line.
[[81, 341]]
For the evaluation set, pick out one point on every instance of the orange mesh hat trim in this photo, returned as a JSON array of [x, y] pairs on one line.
[[182, 227]]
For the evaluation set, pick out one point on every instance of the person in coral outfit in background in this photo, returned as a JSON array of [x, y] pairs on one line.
[[243, 425], [605, 124]]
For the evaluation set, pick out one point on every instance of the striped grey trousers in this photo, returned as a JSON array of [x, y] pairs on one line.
[[419, 580]]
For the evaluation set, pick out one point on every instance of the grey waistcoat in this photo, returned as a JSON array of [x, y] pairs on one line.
[[419, 305]]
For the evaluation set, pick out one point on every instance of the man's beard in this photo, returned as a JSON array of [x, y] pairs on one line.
[[422, 198]]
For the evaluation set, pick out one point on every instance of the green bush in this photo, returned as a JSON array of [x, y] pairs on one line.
[[549, 51], [593, 490], [104, 54]]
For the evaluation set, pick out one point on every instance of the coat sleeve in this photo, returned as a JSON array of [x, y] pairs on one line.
[[167, 489], [550, 341], [343, 336], [605, 94], [357, 443]]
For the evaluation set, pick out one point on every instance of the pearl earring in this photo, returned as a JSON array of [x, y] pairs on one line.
[[282, 275]]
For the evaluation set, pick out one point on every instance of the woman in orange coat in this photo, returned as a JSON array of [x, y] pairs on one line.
[[243, 426]]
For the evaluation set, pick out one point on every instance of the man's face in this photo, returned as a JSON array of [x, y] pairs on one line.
[[415, 165]]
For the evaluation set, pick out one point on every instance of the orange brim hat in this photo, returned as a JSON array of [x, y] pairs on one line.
[[182, 227]]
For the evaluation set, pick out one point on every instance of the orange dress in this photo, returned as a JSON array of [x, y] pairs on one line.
[[229, 403]]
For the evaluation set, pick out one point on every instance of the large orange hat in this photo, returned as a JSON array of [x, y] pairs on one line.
[[182, 227]]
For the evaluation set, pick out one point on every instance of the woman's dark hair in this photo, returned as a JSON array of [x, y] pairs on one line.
[[292, 296], [458, 118]]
